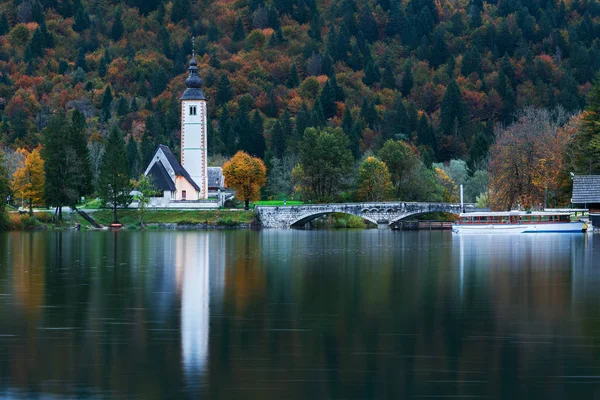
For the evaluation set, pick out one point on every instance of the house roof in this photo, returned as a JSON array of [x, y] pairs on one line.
[[215, 177], [177, 168], [193, 94], [586, 189], [160, 177]]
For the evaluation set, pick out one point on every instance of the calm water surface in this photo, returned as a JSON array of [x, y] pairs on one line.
[[299, 315]]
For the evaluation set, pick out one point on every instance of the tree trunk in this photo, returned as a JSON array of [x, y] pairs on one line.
[[115, 213], [60, 212], [246, 204], [31, 207]]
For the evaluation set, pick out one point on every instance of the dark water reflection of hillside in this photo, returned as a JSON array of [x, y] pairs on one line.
[[299, 314]]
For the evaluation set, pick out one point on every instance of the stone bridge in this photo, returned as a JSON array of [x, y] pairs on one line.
[[285, 217]]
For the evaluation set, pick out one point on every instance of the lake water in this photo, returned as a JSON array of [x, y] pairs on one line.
[[275, 314]]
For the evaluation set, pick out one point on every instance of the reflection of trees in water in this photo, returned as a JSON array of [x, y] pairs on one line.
[[299, 315], [332, 323]]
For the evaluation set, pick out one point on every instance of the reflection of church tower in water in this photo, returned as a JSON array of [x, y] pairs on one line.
[[193, 130], [193, 272]]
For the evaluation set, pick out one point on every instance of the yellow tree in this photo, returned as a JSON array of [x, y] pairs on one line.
[[449, 187], [29, 180], [374, 182], [246, 175]]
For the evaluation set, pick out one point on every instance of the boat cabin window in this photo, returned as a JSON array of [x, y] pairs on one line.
[[565, 218]]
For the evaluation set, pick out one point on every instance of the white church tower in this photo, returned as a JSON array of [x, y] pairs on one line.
[[193, 131]]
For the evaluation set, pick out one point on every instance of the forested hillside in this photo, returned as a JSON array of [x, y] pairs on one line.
[[436, 74]]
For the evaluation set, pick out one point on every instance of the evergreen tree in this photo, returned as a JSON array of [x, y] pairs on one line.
[[453, 110], [133, 157], [239, 33], [371, 74], [106, 103], [82, 20], [396, 19], [388, 80], [368, 112], [114, 185], [258, 138], [81, 63], [122, 107], [588, 160], [117, 30], [224, 91], [226, 131], [367, 24], [354, 139], [78, 141], [407, 81], [181, 10], [5, 187], [241, 126], [315, 27], [425, 134], [292, 80], [317, 117], [278, 140], [328, 100], [37, 44], [303, 121], [4, 27], [347, 121], [327, 65], [61, 165]]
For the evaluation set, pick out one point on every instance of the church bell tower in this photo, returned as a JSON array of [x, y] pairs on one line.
[[193, 130]]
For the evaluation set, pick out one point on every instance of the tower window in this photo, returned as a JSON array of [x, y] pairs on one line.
[[192, 110]]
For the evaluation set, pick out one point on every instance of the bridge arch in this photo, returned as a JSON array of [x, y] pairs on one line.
[[310, 217]]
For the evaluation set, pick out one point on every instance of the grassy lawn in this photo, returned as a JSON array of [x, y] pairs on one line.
[[91, 204], [180, 217], [277, 203]]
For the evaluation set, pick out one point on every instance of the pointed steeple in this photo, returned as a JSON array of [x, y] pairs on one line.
[[193, 81]]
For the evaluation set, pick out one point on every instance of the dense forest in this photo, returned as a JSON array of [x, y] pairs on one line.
[[442, 77]]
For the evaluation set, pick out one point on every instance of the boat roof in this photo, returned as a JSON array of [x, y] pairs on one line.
[[510, 213]]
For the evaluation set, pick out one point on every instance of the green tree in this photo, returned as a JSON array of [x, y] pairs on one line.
[[407, 81], [374, 183], [587, 141], [133, 157], [62, 166], [4, 27], [5, 187], [453, 110], [79, 142], [325, 163], [239, 33], [146, 189], [117, 30], [114, 186], [403, 165], [292, 80], [224, 91]]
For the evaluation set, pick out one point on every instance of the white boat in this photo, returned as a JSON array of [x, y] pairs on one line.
[[511, 222]]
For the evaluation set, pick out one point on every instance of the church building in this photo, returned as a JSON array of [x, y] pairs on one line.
[[189, 182]]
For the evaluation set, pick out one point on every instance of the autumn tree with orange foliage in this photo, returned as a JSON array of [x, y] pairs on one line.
[[29, 180], [528, 159], [246, 175]]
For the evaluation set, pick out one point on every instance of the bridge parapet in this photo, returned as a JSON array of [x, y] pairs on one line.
[[284, 217]]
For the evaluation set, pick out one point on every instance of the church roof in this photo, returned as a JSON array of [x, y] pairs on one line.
[[193, 83], [177, 168], [586, 189], [160, 177]]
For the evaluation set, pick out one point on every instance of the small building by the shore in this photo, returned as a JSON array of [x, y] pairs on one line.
[[586, 193]]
